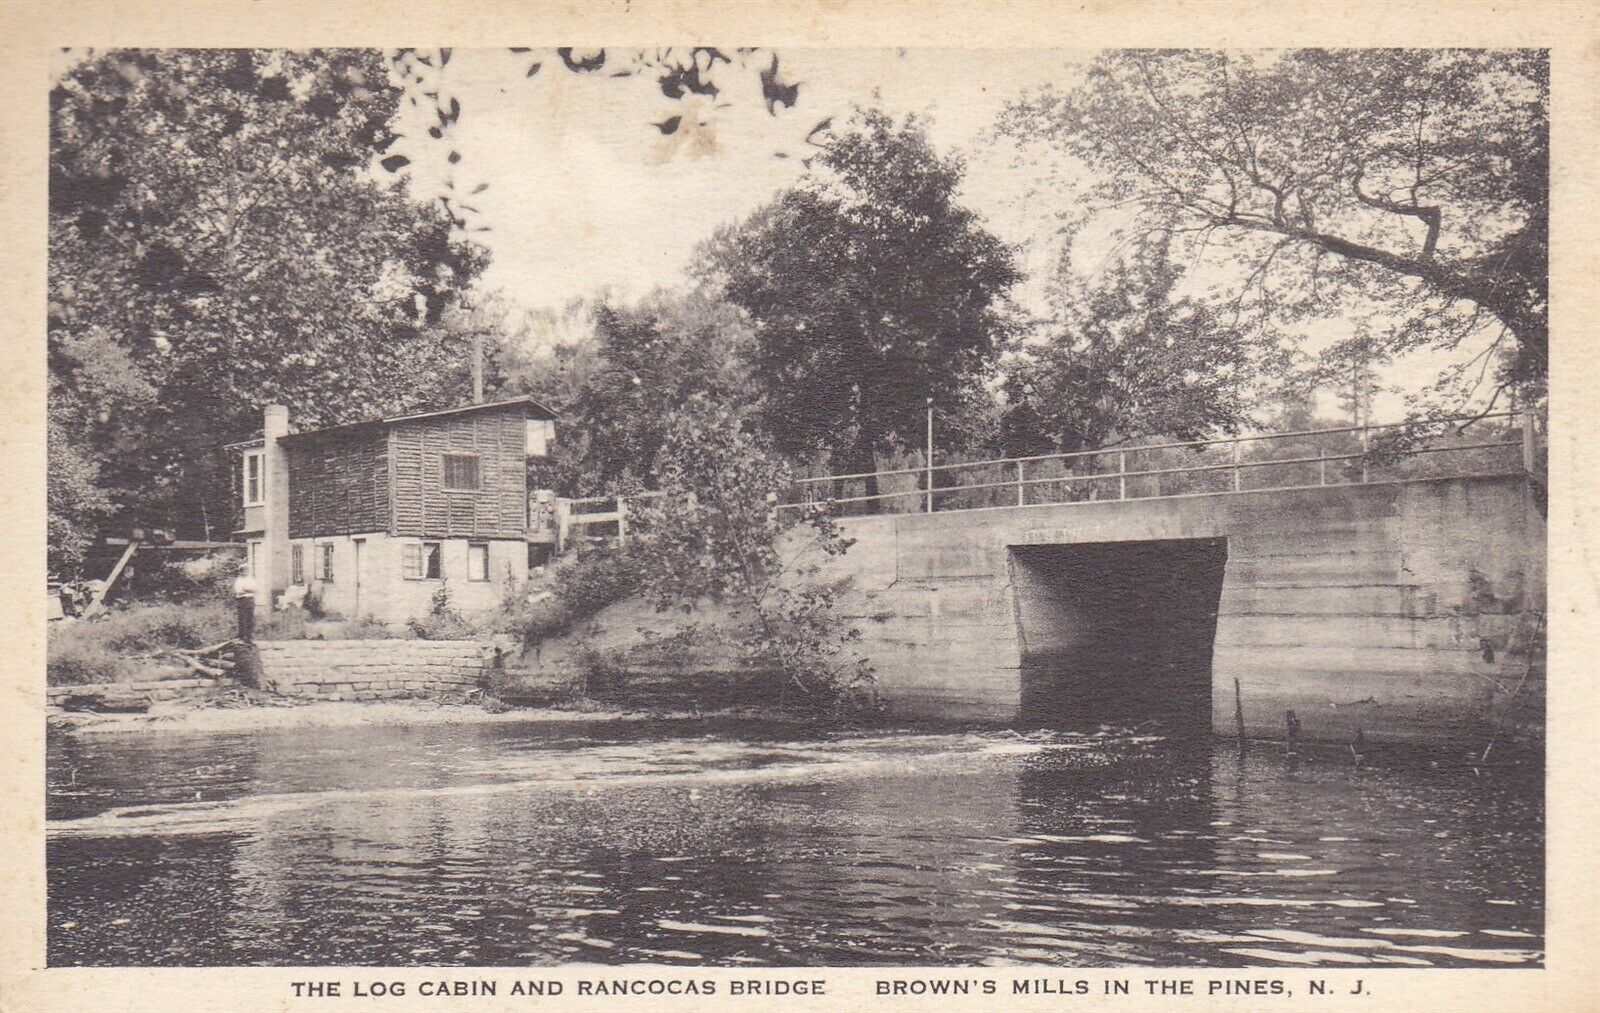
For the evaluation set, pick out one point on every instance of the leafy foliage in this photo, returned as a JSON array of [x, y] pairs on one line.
[[618, 388], [215, 235], [1127, 358], [716, 535], [1409, 185], [871, 289], [442, 621]]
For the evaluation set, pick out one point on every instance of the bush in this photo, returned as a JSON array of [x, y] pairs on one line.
[[146, 628], [76, 661], [208, 578], [598, 578], [104, 649], [583, 586], [442, 621]]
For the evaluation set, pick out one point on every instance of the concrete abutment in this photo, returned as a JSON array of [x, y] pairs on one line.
[[1405, 611]]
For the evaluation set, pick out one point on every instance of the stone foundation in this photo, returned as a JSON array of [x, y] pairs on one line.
[[374, 669]]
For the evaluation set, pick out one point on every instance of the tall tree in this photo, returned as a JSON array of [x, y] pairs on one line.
[[1126, 357], [618, 390], [871, 287], [213, 213], [1412, 181]]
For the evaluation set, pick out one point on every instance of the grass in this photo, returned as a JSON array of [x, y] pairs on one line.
[[109, 647]]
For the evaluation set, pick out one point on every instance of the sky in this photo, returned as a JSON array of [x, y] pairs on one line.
[[585, 194], [582, 193]]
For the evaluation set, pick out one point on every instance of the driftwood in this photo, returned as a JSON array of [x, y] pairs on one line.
[[213, 661], [203, 669]]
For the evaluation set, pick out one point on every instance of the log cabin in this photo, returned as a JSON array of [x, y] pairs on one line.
[[372, 518]]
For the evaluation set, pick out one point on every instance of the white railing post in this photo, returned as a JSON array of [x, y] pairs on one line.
[[1322, 463], [1022, 490], [563, 525], [1235, 446], [1122, 474], [622, 521], [1364, 444]]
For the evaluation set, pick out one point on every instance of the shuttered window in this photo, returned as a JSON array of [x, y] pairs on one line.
[[297, 564], [422, 561], [327, 562], [461, 472]]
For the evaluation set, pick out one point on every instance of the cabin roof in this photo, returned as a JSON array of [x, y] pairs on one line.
[[532, 408]]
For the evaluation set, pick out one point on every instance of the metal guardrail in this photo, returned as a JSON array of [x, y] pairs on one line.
[[1339, 465], [1352, 459]]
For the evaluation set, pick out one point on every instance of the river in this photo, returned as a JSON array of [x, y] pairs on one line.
[[680, 843]]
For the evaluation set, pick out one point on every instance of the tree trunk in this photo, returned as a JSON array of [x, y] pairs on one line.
[[862, 459]]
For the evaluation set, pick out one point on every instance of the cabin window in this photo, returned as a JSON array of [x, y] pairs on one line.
[[297, 564], [478, 562], [326, 571], [423, 561], [255, 477], [461, 472]]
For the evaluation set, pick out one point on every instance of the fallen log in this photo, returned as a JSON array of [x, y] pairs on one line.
[[203, 669]]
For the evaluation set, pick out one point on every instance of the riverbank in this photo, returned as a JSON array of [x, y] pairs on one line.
[[233, 716]]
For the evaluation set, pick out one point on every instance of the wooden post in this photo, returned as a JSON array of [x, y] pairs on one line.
[[1364, 443], [622, 521], [1529, 448], [1238, 716], [563, 525], [930, 455], [98, 601], [1122, 474], [1022, 490], [1322, 463], [1235, 465]]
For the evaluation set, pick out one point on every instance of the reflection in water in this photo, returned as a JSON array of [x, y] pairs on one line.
[[541, 844]]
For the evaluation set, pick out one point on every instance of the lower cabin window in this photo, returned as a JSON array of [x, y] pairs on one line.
[[423, 561], [477, 562], [326, 569], [253, 562], [297, 564]]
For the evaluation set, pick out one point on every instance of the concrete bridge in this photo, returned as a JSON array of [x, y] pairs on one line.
[[1408, 609]]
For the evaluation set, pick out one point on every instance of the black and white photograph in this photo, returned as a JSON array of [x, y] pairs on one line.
[[699, 506]]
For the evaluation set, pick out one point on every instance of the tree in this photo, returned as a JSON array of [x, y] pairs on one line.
[[871, 289], [213, 213], [1412, 181], [1127, 358], [97, 399], [617, 392], [718, 536]]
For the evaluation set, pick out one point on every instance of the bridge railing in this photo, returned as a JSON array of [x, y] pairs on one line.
[[1494, 443]]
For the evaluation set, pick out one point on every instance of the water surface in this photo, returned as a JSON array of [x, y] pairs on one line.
[[521, 844]]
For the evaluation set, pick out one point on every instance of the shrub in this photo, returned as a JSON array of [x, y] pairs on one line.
[[598, 578], [208, 578], [74, 661], [582, 587], [442, 621], [147, 628]]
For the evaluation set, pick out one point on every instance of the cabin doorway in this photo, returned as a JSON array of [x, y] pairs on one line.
[[1119, 633]]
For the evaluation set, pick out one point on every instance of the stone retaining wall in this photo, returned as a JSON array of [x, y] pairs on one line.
[[158, 689], [373, 669]]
